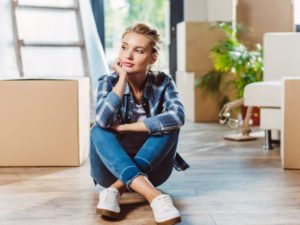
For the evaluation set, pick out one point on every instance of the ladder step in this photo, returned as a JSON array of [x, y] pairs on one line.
[[67, 8], [49, 44]]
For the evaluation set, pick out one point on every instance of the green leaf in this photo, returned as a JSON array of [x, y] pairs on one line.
[[210, 82]]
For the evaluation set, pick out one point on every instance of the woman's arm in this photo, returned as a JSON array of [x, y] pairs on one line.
[[137, 127], [123, 76], [172, 116], [109, 97]]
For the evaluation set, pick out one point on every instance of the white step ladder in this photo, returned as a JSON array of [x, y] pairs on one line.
[[19, 43]]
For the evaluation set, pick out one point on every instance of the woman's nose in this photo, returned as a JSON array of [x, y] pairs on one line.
[[129, 54]]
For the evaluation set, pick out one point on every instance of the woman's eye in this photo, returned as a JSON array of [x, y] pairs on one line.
[[139, 51], [123, 47]]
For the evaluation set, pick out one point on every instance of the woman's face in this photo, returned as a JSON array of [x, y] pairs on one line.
[[136, 53]]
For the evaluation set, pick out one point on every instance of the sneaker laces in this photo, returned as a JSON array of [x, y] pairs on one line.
[[112, 195], [166, 202]]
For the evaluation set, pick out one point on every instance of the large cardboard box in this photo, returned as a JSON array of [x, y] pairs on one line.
[[44, 122], [194, 42], [261, 17], [290, 123], [198, 104]]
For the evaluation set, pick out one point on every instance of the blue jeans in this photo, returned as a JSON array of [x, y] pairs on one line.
[[110, 161]]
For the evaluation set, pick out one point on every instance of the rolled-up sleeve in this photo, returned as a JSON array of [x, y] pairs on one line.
[[108, 102], [172, 116]]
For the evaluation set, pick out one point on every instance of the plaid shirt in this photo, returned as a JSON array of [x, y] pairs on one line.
[[160, 100]]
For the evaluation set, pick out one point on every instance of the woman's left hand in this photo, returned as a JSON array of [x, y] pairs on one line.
[[130, 127], [118, 128]]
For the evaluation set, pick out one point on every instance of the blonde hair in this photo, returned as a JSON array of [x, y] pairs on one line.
[[147, 30]]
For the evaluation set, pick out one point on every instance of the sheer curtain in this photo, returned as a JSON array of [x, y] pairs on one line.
[[8, 65]]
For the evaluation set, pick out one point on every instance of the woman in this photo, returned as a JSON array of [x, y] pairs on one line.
[[138, 115]]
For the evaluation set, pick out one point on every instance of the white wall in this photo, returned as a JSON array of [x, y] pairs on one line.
[[210, 10], [221, 10], [195, 10]]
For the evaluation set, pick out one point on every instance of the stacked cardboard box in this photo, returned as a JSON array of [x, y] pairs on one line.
[[194, 41]]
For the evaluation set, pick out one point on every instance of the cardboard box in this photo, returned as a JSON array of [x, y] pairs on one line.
[[261, 17], [290, 123], [44, 121], [199, 105], [194, 42]]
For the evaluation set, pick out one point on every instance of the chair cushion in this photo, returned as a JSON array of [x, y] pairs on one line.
[[263, 94]]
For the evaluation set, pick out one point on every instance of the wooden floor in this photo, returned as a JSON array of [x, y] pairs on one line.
[[228, 183]]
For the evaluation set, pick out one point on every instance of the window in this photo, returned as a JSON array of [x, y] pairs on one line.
[[297, 15]]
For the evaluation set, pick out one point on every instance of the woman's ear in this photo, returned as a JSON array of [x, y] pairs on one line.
[[154, 58]]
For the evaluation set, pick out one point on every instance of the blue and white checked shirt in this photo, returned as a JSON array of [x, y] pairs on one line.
[[160, 100]]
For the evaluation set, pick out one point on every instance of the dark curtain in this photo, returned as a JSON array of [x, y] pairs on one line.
[[176, 16], [98, 11]]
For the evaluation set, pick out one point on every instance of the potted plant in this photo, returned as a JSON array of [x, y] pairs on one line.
[[234, 64]]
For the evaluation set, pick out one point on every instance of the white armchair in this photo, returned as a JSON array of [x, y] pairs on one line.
[[281, 59]]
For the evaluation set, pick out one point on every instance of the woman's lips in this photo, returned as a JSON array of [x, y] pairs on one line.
[[127, 64]]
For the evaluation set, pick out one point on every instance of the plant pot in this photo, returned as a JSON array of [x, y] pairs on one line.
[[255, 116]]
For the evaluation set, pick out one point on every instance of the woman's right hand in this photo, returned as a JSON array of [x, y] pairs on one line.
[[117, 67], [120, 86]]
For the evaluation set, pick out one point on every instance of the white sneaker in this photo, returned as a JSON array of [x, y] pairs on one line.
[[164, 211], [109, 200]]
